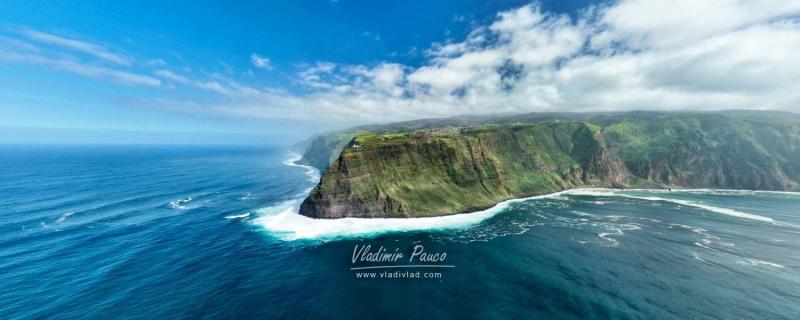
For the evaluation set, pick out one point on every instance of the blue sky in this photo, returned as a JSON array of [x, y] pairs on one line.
[[267, 71], [205, 37]]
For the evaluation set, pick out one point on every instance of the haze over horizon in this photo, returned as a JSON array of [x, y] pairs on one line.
[[181, 72]]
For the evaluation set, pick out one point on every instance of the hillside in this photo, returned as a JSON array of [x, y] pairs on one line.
[[452, 166]]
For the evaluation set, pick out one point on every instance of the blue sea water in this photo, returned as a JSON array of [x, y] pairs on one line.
[[209, 232]]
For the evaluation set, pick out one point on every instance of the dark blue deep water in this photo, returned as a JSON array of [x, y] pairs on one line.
[[187, 232]]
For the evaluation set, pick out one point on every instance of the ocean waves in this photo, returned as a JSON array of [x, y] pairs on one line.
[[181, 204], [191, 202], [284, 222], [238, 216], [121, 250], [725, 211], [312, 173]]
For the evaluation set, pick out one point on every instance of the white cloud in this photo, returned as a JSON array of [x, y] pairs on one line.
[[156, 63], [655, 23], [631, 54], [312, 76], [77, 67], [169, 75], [208, 85], [259, 61], [58, 53], [92, 49], [374, 36], [626, 55]]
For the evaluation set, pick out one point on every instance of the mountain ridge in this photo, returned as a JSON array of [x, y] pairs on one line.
[[462, 166]]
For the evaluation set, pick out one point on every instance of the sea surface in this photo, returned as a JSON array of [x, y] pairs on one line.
[[212, 232]]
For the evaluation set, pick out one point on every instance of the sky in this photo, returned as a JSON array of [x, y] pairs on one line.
[[263, 72]]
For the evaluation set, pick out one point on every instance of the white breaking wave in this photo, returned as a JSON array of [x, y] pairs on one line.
[[756, 262], [719, 191], [179, 203], [697, 257], [238, 216], [285, 223], [705, 246], [65, 216], [68, 214], [607, 236], [311, 172], [183, 204], [725, 211]]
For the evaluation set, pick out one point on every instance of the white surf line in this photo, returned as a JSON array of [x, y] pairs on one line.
[[65, 216], [284, 222], [311, 172], [707, 190], [288, 224], [725, 211], [238, 216], [756, 262]]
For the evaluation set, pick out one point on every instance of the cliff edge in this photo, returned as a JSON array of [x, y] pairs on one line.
[[450, 170]]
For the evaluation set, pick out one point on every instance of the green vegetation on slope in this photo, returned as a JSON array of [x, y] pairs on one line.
[[433, 173], [438, 171]]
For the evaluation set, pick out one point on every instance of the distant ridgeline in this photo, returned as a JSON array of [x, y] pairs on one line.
[[446, 166]]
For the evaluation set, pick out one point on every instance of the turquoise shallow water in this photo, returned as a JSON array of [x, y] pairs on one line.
[[190, 232]]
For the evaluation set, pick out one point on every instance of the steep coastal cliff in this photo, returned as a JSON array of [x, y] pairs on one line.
[[447, 170]]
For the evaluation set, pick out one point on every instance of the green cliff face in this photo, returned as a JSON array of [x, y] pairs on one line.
[[451, 170]]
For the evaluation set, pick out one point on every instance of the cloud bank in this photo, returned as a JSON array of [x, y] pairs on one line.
[[625, 55], [632, 54], [72, 55]]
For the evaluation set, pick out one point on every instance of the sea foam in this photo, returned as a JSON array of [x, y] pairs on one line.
[[311, 173], [238, 216], [284, 222], [180, 204], [725, 211]]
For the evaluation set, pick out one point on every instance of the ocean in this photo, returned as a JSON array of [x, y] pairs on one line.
[[212, 232]]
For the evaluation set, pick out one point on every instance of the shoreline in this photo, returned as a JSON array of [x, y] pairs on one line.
[[314, 174], [577, 191], [284, 222]]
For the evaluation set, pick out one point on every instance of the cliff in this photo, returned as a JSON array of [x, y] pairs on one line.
[[446, 170]]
